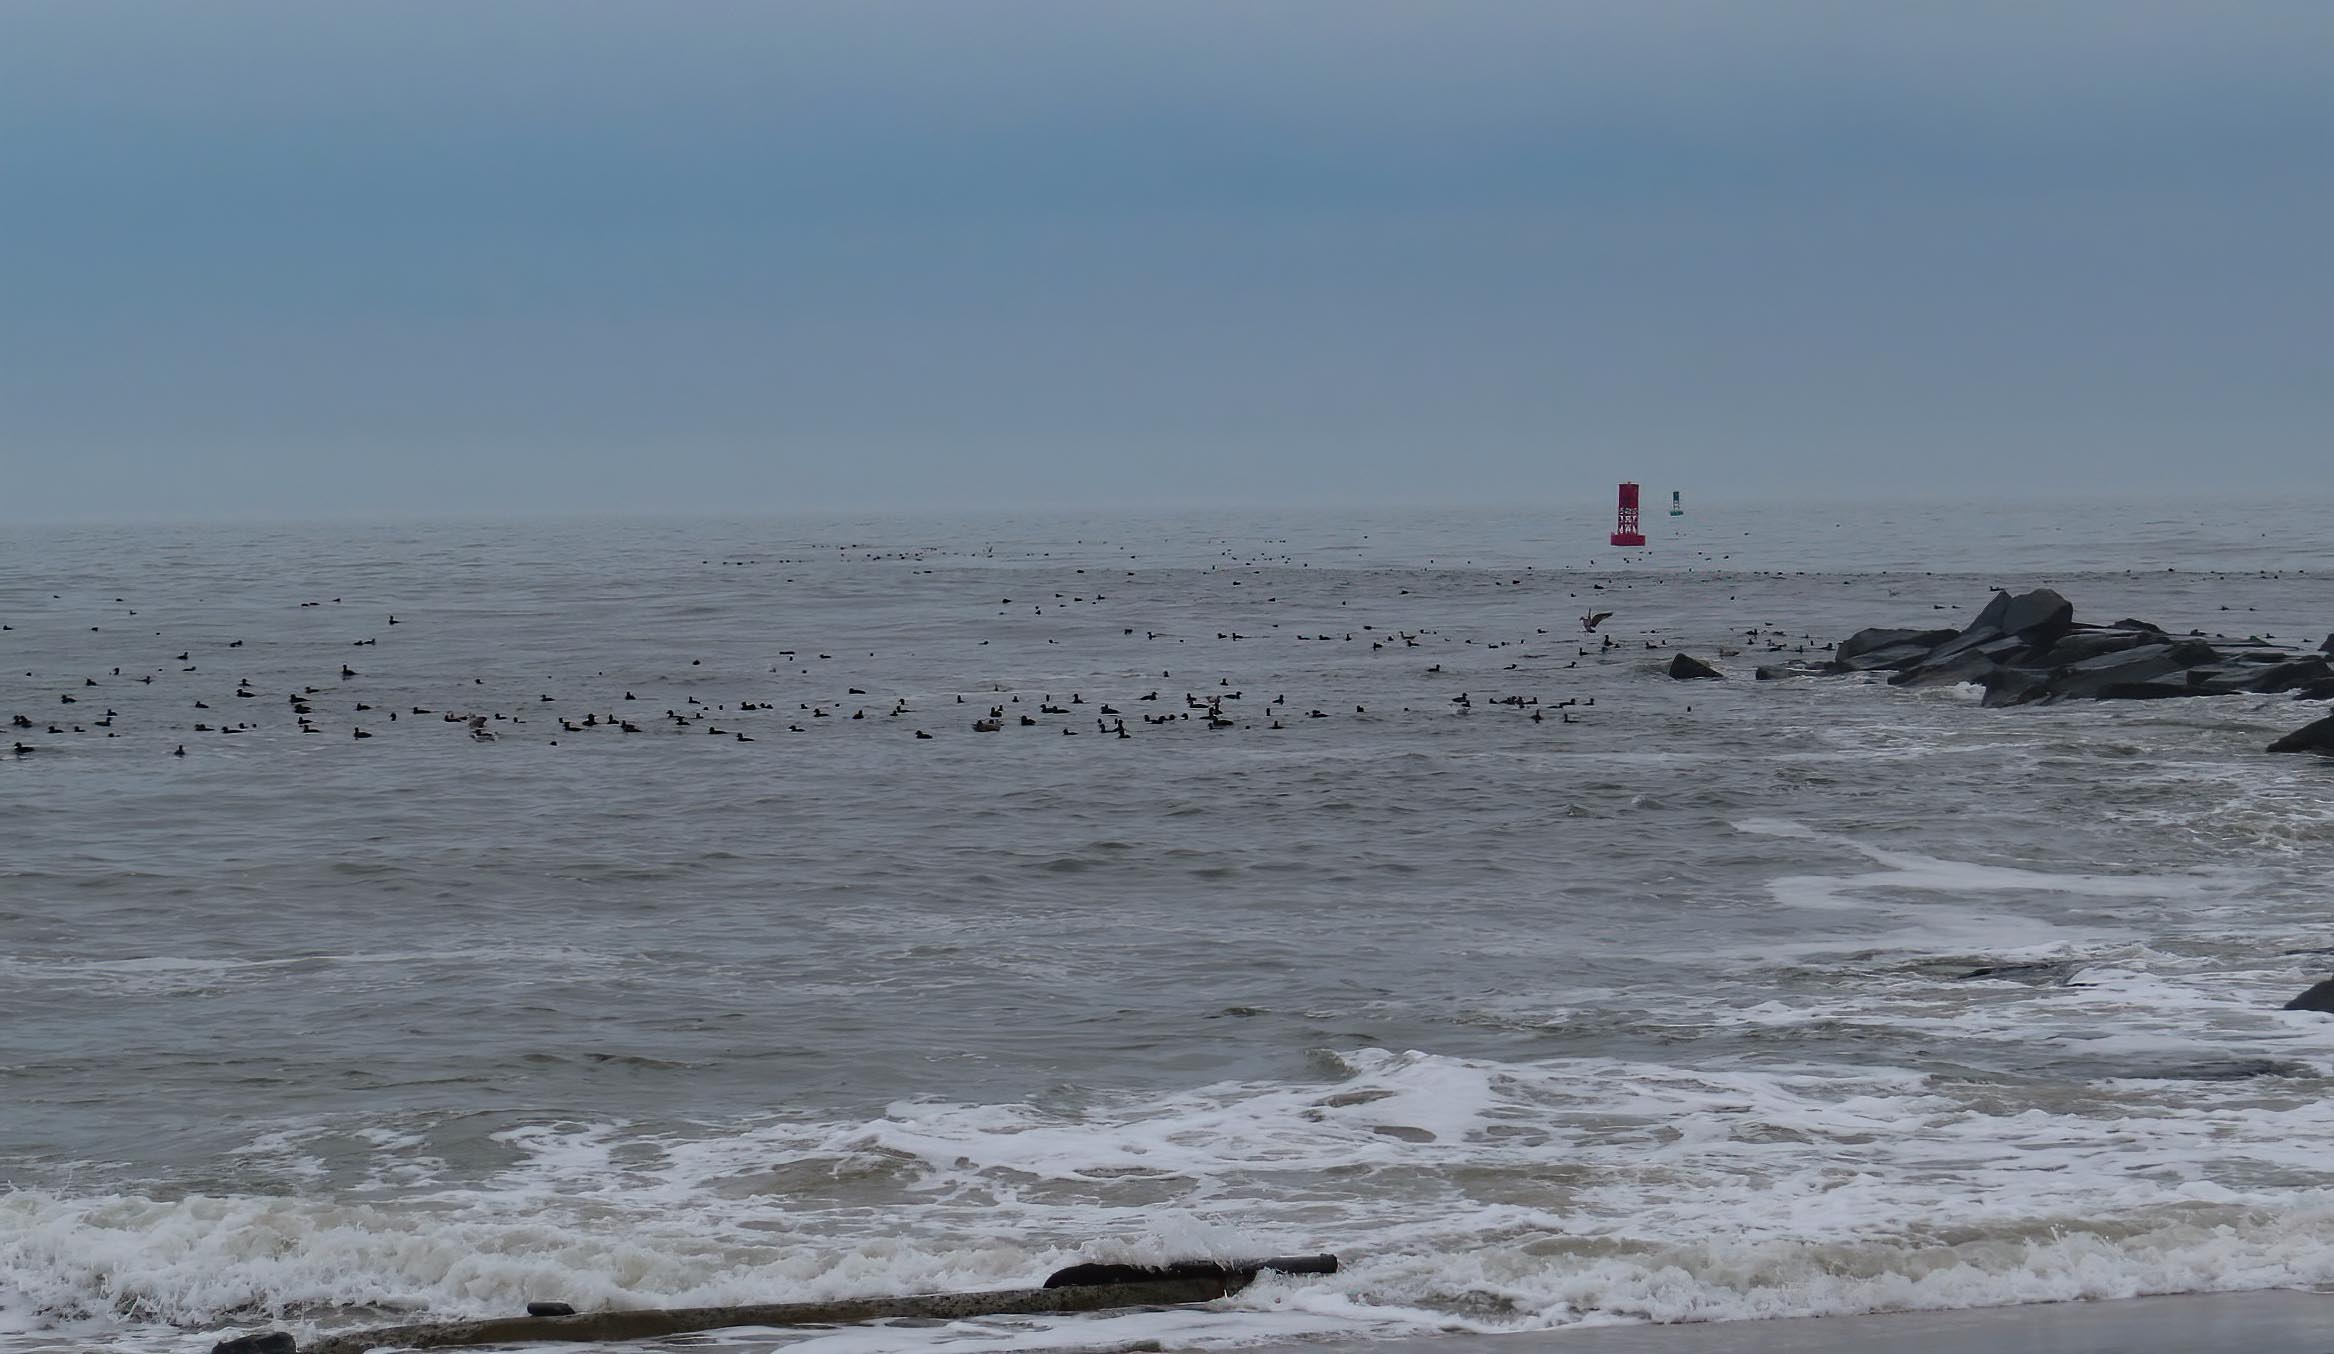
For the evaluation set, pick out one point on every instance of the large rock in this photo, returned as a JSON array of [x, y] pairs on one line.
[[1986, 629], [2166, 687], [1687, 668], [2317, 736], [2014, 686], [2093, 677], [2092, 643], [2291, 675], [2041, 617], [1891, 658], [1967, 667], [1990, 616], [2010, 626], [2319, 998], [2307, 677], [1976, 636], [1878, 637], [2222, 679], [1961, 662]]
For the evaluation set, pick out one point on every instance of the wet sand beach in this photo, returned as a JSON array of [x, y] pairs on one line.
[[2199, 1323]]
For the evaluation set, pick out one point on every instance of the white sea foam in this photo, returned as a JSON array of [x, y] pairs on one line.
[[1465, 1194], [1907, 870], [2247, 807]]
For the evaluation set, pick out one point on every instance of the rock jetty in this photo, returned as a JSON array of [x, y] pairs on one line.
[[2028, 648]]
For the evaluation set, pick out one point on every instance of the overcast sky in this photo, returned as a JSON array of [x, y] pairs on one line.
[[351, 258]]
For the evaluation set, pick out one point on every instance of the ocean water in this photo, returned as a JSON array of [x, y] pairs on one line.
[[1654, 1009]]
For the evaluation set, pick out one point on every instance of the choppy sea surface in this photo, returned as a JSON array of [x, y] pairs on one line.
[[1656, 1008]]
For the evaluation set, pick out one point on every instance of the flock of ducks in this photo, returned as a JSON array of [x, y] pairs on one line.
[[83, 708], [367, 719]]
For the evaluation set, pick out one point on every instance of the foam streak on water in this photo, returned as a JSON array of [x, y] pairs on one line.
[[1664, 1014]]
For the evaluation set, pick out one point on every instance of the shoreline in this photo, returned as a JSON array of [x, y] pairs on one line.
[[2258, 1321]]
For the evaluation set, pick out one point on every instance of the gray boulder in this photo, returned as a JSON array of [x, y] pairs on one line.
[[1961, 662], [1990, 616], [1878, 637], [2317, 736], [2091, 678], [2010, 625], [1687, 668], [1890, 658], [2093, 643], [2041, 617], [1986, 629], [2319, 998], [2291, 675], [2013, 686], [2169, 685], [2222, 679], [1965, 667], [1974, 637]]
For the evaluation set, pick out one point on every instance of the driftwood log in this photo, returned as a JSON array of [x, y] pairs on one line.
[[1072, 1290]]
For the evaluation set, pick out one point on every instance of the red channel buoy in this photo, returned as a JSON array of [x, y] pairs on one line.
[[1625, 531]]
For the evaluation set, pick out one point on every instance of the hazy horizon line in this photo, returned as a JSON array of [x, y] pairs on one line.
[[1653, 499]]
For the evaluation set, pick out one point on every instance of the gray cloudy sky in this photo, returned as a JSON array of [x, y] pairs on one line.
[[392, 257]]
